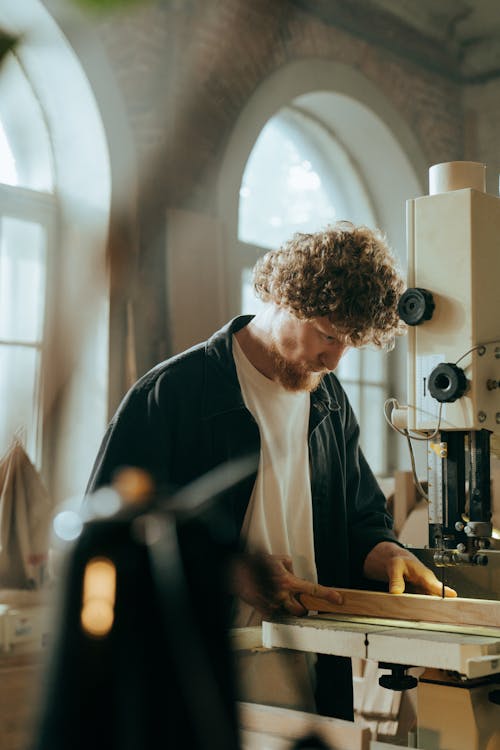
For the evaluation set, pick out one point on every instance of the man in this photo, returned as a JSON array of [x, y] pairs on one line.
[[265, 385]]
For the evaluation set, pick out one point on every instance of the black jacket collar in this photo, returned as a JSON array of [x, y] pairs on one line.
[[222, 388]]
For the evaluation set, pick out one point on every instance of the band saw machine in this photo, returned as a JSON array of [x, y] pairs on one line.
[[453, 410]]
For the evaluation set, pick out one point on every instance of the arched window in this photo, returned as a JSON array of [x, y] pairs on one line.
[[54, 223], [300, 178], [368, 162], [27, 221]]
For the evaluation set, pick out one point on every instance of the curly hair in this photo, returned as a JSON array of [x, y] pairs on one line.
[[346, 273]]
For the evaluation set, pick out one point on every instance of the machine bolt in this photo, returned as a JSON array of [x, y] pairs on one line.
[[492, 384], [481, 416], [459, 526], [461, 547], [481, 350]]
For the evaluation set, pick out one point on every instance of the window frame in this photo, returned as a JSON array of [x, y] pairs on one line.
[[37, 207]]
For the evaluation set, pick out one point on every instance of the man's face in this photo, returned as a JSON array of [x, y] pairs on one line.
[[304, 350]]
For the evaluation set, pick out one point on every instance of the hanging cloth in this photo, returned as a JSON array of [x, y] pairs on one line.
[[25, 515]]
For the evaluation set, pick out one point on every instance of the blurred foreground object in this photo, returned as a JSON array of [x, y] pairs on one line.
[[25, 514], [140, 655]]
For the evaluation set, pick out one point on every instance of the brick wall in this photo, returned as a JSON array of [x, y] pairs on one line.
[[482, 115], [187, 68]]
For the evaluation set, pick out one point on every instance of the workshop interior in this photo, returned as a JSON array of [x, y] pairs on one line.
[[150, 152]]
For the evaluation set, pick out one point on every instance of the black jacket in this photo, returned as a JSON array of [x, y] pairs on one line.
[[187, 416]]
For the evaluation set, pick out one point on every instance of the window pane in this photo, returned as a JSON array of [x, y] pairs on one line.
[[22, 280], [19, 382], [25, 142], [354, 395], [374, 431], [8, 172], [250, 304], [374, 365], [285, 188], [298, 178], [349, 367]]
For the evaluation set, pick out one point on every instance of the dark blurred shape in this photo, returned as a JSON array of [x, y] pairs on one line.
[[310, 742], [7, 44], [141, 656], [162, 674]]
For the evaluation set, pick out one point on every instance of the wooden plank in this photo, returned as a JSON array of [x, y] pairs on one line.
[[290, 724], [416, 607]]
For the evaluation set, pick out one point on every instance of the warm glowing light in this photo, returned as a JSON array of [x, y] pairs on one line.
[[134, 485], [99, 589]]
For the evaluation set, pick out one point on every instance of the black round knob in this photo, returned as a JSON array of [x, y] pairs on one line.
[[398, 679], [447, 382], [416, 305], [403, 682]]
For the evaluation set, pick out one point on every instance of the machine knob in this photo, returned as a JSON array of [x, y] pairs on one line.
[[447, 382], [416, 305], [398, 679]]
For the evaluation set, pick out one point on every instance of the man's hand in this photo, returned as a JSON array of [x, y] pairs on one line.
[[389, 562], [268, 583]]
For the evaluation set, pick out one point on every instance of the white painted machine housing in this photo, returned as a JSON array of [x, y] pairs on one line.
[[454, 252]]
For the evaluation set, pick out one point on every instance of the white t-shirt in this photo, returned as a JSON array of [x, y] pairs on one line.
[[278, 519]]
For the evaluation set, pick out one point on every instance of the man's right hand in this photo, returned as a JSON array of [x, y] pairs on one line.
[[268, 583]]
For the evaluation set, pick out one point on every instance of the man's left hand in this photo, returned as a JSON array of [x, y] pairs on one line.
[[402, 570]]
